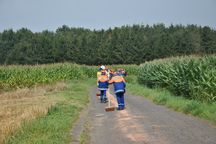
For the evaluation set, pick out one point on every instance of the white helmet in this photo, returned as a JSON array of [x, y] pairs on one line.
[[102, 67]]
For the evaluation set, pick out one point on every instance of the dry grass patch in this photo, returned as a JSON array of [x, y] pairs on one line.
[[24, 105]]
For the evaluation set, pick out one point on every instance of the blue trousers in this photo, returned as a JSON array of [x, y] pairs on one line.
[[103, 94], [120, 99]]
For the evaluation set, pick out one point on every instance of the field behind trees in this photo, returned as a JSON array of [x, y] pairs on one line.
[[121, 45]]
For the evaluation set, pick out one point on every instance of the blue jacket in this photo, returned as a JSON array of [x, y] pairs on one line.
[[103, 82], [119, 84]]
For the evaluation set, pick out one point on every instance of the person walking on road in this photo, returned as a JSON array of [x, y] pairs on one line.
[[119, 87], [102, 67], [103, 86]]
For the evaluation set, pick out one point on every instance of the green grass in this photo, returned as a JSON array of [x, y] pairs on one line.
[[84, 137], [164, 97], [54, 128]]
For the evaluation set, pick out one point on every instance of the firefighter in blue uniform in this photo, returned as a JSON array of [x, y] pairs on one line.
[[103, 86], [119, 87]]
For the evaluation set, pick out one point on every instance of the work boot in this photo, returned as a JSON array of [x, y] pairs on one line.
[[105, 100], [120, 108]]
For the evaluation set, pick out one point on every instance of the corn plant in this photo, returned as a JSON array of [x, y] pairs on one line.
[[192, 77], [27, 76]]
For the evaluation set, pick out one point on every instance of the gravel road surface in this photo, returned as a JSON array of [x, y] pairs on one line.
[[143, 122]]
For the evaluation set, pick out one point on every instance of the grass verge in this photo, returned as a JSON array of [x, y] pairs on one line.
[[84, 137], [164, 97], [56, 125], [25, 105]]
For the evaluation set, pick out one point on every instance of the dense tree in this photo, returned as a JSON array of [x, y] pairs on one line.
[[120, 45]]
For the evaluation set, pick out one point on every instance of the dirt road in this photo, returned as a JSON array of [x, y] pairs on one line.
[[145, 123]]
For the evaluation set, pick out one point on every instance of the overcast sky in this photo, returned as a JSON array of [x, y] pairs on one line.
[[39, 15]]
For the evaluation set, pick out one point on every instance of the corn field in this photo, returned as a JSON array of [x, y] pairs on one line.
[[27, 76], [130, 69], [192, 77]]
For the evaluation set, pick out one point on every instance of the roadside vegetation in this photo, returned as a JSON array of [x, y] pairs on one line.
[[178, 103], [28, 76], [192, 77], [185, 84], [18, 76], [55, 126], [37, 108], [24, 105], [30, 95]]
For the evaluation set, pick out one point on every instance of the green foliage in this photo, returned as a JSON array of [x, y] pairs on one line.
[[130, 69], [161, 99], [124, 45], [192, 107], [192, 77], [131, 79], [27, 76], [178, 103], [22, 76]]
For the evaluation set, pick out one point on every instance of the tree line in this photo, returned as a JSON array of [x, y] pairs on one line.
[[120, 45]]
